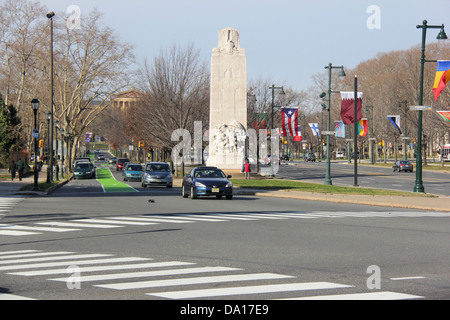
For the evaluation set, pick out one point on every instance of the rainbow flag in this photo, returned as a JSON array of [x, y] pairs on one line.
[[445, 115], [442, 77], [362, 127]]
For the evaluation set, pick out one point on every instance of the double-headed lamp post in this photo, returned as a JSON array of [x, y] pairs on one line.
[[341, 74], [418, 186], [35, 106]]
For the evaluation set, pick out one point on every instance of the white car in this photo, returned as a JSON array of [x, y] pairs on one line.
[[340, 155]]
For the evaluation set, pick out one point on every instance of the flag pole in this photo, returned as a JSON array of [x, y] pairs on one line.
[[355, 135]]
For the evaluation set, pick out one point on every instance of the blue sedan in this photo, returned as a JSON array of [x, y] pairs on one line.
[[132, 171], [207, 181]]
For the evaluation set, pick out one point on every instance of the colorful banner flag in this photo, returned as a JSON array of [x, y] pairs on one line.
[[347, 107], [259, 120], [445, 115], [362, 127], [289, 121], [395, 120], [339, 129], [88, 137], [315, 128], [299, 134], [442, 77]]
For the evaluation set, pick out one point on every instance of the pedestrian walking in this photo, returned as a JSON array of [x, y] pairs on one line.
[[20, 165], [12, 169], [247, 169]]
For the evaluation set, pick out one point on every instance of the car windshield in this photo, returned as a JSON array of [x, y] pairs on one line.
[[209, 173], [123, 160], [82, 166], [134, 167], [158, 167]]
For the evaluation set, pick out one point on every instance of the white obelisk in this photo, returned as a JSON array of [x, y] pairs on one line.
[[228, 102]]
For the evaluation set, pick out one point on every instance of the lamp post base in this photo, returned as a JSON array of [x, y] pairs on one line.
[[418, 187]]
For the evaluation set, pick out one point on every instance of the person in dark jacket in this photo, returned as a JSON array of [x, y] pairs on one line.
[[12, 169], [20, 165]]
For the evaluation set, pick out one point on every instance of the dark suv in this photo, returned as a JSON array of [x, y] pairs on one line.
[[310, 157]]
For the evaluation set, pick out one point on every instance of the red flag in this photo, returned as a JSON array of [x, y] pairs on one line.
[[298, 137], [347, 107], [289, 121]]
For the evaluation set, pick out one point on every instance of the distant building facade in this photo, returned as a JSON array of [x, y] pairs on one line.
[[127, 99]]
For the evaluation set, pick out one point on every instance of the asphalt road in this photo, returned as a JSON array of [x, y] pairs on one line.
[[342, 174], [121, 246]]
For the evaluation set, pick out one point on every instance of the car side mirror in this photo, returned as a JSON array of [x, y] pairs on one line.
[[188, 175], [229, 176]]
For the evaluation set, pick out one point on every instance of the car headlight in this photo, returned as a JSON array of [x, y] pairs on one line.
[[199, 184], [229, 185]]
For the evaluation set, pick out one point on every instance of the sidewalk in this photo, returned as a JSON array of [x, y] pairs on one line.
[[8, 187]]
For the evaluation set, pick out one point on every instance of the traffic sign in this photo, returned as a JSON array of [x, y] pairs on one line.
[[419, 108], [328, 133]]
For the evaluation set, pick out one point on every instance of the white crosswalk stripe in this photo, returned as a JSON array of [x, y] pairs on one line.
[[156, 219], [7, 203], [7, 296], [104, 268], [149, 274], [381, 295], [159, 277], [190, 281], [220, 292], [70, 262]]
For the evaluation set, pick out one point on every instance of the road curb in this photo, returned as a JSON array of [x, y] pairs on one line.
[[42, 193], [380, 202]]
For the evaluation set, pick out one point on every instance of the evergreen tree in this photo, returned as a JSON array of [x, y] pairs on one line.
[[9, 136]]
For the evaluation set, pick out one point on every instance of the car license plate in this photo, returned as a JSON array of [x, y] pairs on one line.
[[215, 190], [158, 180]]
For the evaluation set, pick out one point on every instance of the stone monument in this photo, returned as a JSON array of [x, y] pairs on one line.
[[228, 102]]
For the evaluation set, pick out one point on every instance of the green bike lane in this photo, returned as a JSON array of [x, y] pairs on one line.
[[109, 183]]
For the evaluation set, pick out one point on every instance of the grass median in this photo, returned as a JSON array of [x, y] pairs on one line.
[[109, 183], [289, 185]]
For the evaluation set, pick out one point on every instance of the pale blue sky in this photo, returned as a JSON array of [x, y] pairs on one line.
[[285, 40]]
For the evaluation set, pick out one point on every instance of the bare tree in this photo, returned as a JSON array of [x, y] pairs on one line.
[[91, 65], [177, 94]]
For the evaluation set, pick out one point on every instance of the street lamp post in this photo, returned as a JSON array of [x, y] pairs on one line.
[[63, 158], [371, 138], [35, 106], [404, 129], [56, 147], [418, 186], [341, 74], [272, 127], [50, 16], [49, 143]]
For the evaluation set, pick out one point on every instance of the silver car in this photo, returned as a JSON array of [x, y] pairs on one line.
[[403, 165], [157, 174]]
